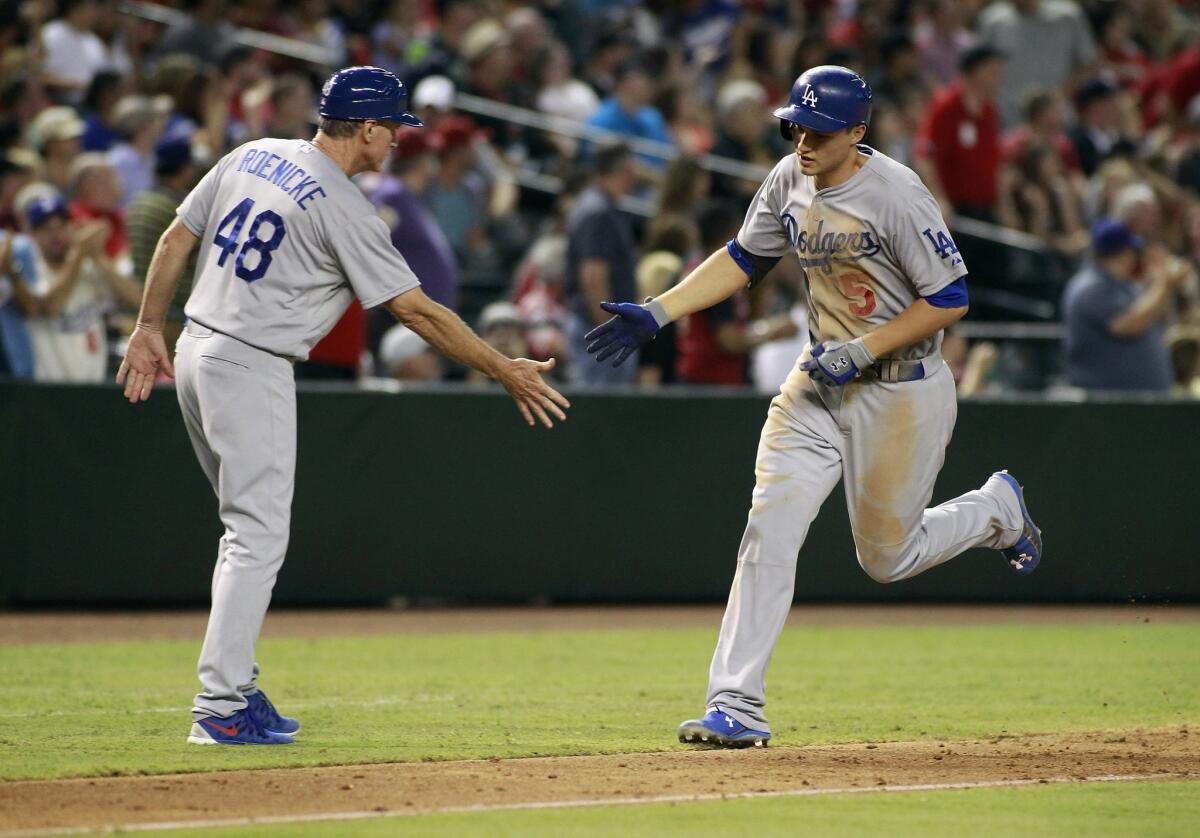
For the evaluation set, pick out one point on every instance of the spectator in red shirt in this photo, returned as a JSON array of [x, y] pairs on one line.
[[1120, 54], [339, 355], [957, 149], [714, 345], [96, 194]]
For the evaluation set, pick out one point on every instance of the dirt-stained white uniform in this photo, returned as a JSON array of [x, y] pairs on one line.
[[869, 247], [286, 242]]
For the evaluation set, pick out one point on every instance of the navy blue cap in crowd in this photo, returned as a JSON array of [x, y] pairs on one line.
[[1111, 235], [40, 210]]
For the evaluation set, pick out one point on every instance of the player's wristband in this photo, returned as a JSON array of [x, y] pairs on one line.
[[659, 313], [862, 357]]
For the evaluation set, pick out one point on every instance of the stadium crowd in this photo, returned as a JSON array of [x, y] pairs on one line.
[[1075, 124]]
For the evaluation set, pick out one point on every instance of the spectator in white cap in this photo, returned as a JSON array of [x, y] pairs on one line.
[[55, 135], [432, 99], [745, 133], [404, 356]]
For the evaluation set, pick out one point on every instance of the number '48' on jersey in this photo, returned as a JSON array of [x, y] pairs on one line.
[[229, 231]]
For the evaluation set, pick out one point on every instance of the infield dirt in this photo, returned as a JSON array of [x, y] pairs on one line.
[[439, 786]]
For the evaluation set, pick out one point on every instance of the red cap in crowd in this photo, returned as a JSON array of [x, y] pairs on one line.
[[456, 132], [413, 141]]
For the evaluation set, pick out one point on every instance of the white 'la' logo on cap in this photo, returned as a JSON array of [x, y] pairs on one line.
[[809, 98]]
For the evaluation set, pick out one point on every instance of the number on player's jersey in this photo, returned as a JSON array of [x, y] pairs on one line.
[[855, 287], [235, 219], [943, 245]]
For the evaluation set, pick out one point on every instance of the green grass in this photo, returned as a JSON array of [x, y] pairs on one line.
[[122, 708], [1095, 810]]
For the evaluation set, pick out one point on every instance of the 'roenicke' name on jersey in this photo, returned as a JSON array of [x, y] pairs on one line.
[[285, 174]]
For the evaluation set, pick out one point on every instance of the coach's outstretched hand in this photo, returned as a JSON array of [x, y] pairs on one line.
[[522, 378], [632, 327], [146, 356]]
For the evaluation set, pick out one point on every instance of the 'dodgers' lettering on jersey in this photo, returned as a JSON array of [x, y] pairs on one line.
[[820, 249], [281, 172]]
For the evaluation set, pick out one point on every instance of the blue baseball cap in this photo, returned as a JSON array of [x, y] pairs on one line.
[[40, 210], [171, 155], [1111, 235]]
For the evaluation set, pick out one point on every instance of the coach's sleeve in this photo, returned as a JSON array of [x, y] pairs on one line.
[[372, 265], [921, 245]]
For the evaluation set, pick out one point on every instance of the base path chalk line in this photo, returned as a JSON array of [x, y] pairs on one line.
[[318, 817]]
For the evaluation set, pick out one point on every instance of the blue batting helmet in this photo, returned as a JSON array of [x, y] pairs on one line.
[[826, 98], [359, 93]]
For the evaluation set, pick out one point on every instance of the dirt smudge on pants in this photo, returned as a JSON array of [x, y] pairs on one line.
[[888, 476]]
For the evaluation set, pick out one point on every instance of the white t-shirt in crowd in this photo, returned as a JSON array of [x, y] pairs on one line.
[[70, 346], [73, 54]]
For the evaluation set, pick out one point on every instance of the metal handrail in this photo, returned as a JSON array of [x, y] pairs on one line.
[[255, 38], [582, 131], [1000, 235], [712, 162], [1010, 330]]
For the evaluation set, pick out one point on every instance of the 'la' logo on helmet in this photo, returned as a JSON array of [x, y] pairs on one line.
[[809, 98]]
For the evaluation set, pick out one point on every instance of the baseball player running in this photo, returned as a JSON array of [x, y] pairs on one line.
[[286, 241], [871, 402]]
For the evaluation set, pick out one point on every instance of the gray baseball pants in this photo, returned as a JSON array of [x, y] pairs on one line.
[[239, 406], [887, 442]]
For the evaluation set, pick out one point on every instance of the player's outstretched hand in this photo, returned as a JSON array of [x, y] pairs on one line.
[[632, 327], [834, 364], [144, 359], [523, 380]]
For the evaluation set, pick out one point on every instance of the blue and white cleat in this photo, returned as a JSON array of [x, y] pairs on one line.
[[239, 729], [268, 718], [718, 728], [1023, 556]]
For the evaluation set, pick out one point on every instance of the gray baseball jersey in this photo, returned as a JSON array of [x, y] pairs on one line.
[[287, 240], [869, 247]]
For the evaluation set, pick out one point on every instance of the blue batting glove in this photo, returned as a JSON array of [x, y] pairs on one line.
[[834, 364], [632, 327]]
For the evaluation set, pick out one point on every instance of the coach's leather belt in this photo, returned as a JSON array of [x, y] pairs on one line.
[[892, 371]]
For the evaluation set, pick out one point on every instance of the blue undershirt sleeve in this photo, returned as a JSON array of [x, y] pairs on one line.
[[953, 295]]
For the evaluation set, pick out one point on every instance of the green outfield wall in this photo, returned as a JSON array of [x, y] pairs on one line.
[[445, 494]]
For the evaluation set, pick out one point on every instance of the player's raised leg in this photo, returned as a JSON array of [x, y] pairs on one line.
[[797, 467], [893, 453]]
